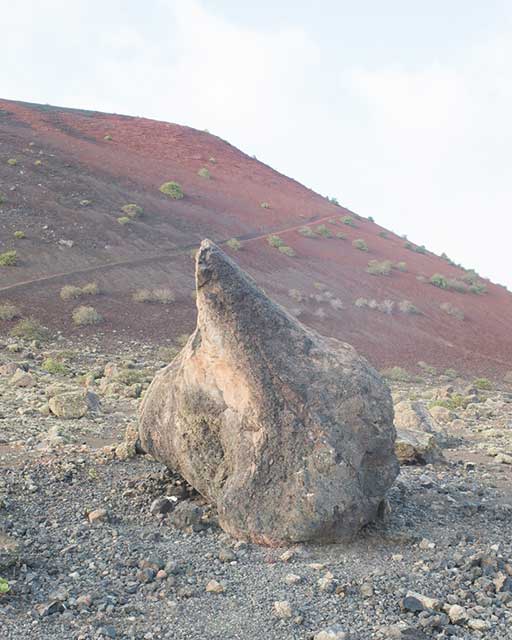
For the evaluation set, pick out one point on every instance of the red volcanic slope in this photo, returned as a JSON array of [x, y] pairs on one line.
[[75, 170]]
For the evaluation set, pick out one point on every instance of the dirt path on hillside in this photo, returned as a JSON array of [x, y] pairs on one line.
[[161, 256]]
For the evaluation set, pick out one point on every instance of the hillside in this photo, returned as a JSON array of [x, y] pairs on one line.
[[65, 176]]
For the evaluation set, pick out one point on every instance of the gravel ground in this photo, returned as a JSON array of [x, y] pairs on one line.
[[125, 549]]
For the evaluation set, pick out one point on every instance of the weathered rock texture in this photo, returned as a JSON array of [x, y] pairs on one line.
[[289, 433]]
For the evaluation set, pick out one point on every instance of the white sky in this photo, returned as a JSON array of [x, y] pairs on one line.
[[405, 115]]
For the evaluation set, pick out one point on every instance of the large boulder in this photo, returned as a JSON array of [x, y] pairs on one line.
[[72, 405], [288, 432]]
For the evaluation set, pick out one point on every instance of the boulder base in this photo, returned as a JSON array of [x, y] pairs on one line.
[[289, 433]]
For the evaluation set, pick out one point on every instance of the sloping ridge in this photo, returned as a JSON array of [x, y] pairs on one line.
[[74, 170]]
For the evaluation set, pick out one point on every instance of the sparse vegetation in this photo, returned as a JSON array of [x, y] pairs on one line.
[[340, 235], [323, 231], [383, 234], [264, 205], [297, 295], [19, 235], [377, 268], [400, 266], [172, 189], [427, 368], [71, 292], [182, 339], [406, 306], [452, 310], [12, 162], [50, 365], [420, 249], [85, 203], [9, 311], [167, 353], [30, 329], [132, 210], [38, 163], [4, 586], [454, 402], [438, 280], [451, 373], [478, 288], [307, 232], [360, 244], [483, 384], [275, 241], [288, 251], [8, 259], [234, 244], [124, 220], [107, 137], [204, 173], [84, 315], [333, 201], [348, 220], [158, 296], [398, 374]]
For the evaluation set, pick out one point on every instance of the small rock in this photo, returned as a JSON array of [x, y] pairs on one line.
[[97, 515], [161, 505], [214, 587], [187, 515], [226, 555], [49, 608], [22, 379], [292, 578], [457, 614], [326, 583], [335, 632], [282, 609]]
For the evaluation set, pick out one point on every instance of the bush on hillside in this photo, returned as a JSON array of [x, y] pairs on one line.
[[275, 241], [323, 231], [234, 244], [360, 244], [288, 251], [159, 296], [30, 329], [84, 315], [172, 189], [204, 173], [132, 210], [9, 311], [307, 232], [452, 310], [8, 259], [438, 280], [377, 268]]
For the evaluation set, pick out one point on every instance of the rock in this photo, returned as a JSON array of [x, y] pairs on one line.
[[161, 505], [10, 368], [335, 632], [477, 624], [22, 379], [73, 404], [111, 370], [226, 555], [289, 433], [97, 515], [187, 516], [49, 608], [457, 614], [292, 578], [442, 414], [413, 415], [416, 447], [425, 602], [214, 587], [503, 458], [9, 551], [326, 583], [282, 609]]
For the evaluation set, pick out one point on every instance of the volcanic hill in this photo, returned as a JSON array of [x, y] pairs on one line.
[[67, 175]]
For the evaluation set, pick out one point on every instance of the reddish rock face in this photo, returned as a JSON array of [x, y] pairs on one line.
[[289, 433]]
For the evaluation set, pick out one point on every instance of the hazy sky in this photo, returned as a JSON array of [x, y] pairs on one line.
[[402, 110]]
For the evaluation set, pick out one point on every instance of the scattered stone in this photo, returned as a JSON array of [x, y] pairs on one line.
[[9, 551], [214, 587], [292, 578], [282, 609], [187, 516], [457, 614], [335, 632], [161, 505], [72, 405], [97, 515], [22, 379]]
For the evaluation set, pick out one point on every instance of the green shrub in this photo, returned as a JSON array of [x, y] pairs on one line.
[[4, 586], [275, 241], [8, 259], [427, 368], [377, 268], [456, 285], [438, 280], [234, 244], [451, 373], [167, 353], [348, 220], [124, 220], [19, 235], [340, 235], [288, 251], [85, 203], [296, 295], [323, 231], [9, 311], [38, 163], [91, 289], [30, 329], [264, 205], [370, 219], [307, 232], [132, 210], [482, 383], [84, 315], [50, 365], [408, 245], [333, 201], [453, 403], [70, 292], [452, 310], [159, 296], [172, 189], [360, 244], [182, 339], [406, 306], [12, 162], [398, 374], [478, 288], [400, 266], [383, 234], [420, 249], [204, 173]]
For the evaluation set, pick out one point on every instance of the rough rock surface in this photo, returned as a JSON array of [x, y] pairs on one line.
[[289, 433]]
